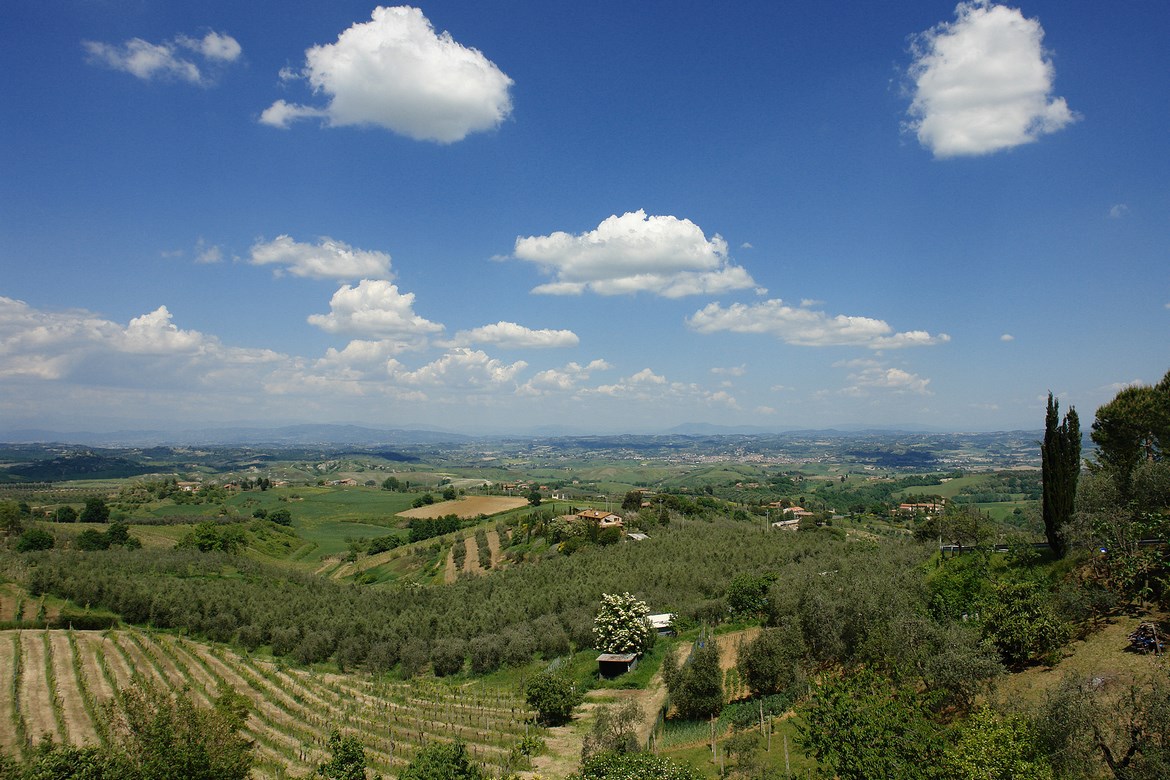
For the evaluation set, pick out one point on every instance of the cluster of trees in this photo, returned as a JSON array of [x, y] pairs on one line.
[[423, 528], [152, 736], [510, 617]]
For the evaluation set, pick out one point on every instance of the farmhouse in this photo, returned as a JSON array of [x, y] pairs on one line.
[[922, 509], [787, 525], [604, 519]]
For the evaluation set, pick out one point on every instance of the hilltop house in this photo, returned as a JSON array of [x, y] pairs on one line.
[[603, 518]]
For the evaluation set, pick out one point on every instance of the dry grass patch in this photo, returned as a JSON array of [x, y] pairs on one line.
[[1104, 655], [467, 507]]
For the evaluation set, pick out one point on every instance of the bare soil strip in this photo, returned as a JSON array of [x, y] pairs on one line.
[[178, 676], [200, 678], [8, 742], [449, 572], [138, 660], [78, 726], [471, 562], [35, 701], [123, 674], [494, 545], [102, 692]]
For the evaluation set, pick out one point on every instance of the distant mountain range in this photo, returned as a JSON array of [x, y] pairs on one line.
[[361, 436], [290, 435]]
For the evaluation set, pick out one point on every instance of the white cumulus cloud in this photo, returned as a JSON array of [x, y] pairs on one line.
[[512, 336], [806, 327], [662, 255], [893, 379], [82, 347], [460, 368], [983, 83], [375, 308], [396, 72], [327, 259], [168, 60], [561, 380]]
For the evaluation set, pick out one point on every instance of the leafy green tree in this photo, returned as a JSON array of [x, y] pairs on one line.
[[696, 688], [622, 624], [553, 696], [632, 501], [347, 760], [1060, 458], [770, 663], [863, 727], [442, 761], [450, 494], [1022, 624], [52, 761], [992, 746], [447, 656], [11, 520], [35, 539], [1133, 427], [280, 516], [91, 540], [615, 730], [747, 594], [158, 736], [1089, 730], [634, 766], [95, 511], [534, 498], [391, 483], [65, 514]]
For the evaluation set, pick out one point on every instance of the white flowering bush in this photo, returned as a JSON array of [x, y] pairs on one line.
[[622, 624]]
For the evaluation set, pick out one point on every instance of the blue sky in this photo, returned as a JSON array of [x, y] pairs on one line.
[[603, 216]]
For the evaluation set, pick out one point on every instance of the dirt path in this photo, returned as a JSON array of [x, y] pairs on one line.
[[494, 545], [79, 727], [563, 754], [35, 702], [471, 562], [449, 573]]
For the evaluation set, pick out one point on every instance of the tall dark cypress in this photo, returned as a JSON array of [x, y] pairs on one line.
[[1060, 458]]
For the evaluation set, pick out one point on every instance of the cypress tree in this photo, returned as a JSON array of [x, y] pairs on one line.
[[1060, 458]]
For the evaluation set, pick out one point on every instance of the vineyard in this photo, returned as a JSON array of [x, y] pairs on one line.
[[56, 682]]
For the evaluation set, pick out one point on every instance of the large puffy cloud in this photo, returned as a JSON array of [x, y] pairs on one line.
[[983, 83], [396, 72], [561, 380], [647, 386], [168, 60], [82, 346], [512, 336], [893, 379], [806, 327], [459, 369], [375, 308], [327, 259], [632, 253]]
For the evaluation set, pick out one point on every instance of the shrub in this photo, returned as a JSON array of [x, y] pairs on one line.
[[34, 539], [447, 656], [553, 696]]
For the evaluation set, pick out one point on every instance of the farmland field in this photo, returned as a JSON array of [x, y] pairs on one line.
[[56, 682], [467, 507]]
